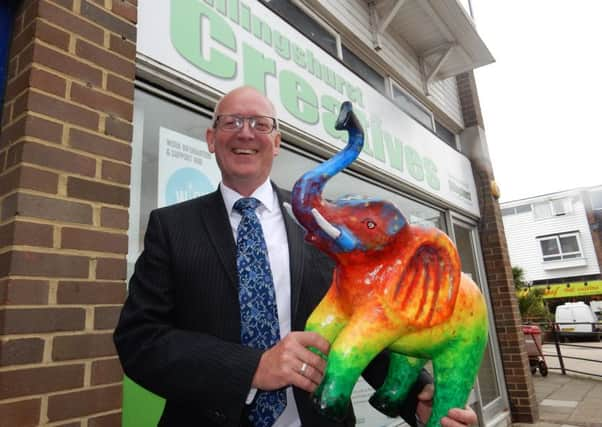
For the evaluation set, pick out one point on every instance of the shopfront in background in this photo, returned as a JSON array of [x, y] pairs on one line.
[[573, 291], [185, 64]]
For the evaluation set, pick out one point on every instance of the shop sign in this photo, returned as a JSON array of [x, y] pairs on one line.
[[574, 289], [568, 289], [227, 43]]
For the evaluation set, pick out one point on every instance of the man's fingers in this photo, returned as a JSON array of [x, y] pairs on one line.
[[312, 339], [313, 360], [311, 374], [459, 417], [427, 392], [303, 382]]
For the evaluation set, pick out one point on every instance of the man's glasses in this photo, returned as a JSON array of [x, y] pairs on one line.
[[234, 123]]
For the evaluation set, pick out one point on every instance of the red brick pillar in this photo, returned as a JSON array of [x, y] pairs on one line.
[[500, 283], [64, 195]]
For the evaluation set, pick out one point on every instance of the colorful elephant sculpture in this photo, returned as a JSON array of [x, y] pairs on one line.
[[395, 286]]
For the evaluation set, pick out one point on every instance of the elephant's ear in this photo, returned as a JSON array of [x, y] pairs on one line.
[[428, 286]]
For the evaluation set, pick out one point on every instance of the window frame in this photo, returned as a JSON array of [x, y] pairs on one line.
[[560, 256], [349, 48], [412, 99], [567, 208], [441, 129], [311, 15], [564, 205]]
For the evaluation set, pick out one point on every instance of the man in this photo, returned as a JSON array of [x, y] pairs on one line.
[[179, 334]]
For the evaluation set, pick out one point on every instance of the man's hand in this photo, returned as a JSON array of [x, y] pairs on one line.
[[456, 417], [290, 362]]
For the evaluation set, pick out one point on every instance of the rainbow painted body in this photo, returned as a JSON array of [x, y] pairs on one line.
[[395, 286]]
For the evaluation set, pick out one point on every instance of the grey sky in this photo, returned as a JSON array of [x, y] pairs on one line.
[[541, 99]]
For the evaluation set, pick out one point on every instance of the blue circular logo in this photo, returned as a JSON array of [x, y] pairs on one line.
[[185, 184]]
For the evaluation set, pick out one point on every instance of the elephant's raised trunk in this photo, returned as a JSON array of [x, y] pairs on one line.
[[307, 192]]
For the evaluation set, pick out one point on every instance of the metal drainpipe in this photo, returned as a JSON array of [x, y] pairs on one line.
[[7, 10]]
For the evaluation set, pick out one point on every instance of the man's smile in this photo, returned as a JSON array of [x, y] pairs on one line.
[[244, 151]]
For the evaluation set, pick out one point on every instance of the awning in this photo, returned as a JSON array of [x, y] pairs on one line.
[[441, 34]]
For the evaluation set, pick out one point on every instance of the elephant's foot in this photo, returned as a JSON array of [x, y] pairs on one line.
[[329, 401], [385, 403], [403, 372]]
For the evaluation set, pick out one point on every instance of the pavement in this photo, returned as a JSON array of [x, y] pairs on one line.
[[567, 400]]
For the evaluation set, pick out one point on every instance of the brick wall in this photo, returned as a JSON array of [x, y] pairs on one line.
[[516, 373], [64, 194]]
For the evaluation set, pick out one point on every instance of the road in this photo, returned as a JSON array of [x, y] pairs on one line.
[[576, 349]]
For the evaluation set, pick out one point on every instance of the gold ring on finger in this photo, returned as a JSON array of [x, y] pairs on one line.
[[303, 369]]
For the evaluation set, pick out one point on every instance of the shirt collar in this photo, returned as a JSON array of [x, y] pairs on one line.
[[264, 193]]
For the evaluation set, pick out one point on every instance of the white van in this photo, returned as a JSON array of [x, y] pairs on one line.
[[577, 319], [596, 308]]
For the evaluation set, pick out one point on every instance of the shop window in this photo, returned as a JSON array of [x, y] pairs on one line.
[[560, 247], [290, 165], [170, 164], [413, 108], [365, 71], [305, 24], [170, 161]]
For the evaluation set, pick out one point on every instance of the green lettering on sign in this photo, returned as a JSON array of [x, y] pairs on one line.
[[377, 139], [298, 97], [430, 170], [282, 45], [394, 152], [414, 163], [187, 20], [256, 67], [299, 56], [329, 117]]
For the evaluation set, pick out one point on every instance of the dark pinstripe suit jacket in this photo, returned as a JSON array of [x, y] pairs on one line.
[[179, 330]]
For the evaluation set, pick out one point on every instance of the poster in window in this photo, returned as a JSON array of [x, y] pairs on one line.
[[186, 168]]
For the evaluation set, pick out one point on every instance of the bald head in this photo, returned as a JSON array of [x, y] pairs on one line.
[[244, 155], [239, 95]]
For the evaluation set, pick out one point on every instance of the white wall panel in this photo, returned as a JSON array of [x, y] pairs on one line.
[[522, 231]]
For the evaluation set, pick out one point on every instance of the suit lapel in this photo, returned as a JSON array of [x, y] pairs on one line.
[[215, 217], [296, 251]]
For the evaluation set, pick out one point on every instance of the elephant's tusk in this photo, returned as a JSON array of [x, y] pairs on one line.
[[326, 226]]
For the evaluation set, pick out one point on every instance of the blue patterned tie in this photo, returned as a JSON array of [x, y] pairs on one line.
[[257, 298]]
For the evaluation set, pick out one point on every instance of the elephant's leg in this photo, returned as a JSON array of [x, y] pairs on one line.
[[328, 318], [403, 372], [455, 371], [367, 334]]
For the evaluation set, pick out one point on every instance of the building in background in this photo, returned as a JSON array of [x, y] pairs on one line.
[[555, 238], [104, 115]]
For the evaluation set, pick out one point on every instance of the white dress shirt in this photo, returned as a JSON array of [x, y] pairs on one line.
[[274, 231]]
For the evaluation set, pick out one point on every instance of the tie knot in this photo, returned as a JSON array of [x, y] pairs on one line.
[[246, 205]]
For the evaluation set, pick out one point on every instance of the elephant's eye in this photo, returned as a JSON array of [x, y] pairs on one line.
[[370, 224]]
